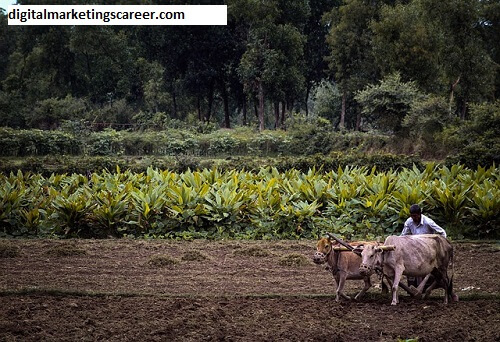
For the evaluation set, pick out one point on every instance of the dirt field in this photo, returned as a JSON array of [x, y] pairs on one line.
[[129, 290]]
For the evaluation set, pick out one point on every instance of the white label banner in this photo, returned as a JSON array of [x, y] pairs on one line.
[[117, 15]]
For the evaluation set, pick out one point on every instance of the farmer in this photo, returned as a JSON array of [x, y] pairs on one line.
[[418, 224]]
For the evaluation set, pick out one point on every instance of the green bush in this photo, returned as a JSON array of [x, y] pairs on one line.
[[105, 143], [51, 112], [37, 143], [79, 164]]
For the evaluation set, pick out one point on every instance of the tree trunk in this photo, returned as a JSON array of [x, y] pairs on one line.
[[198, 103], [452, 89], [276, 115], [210, 103], [89, 69], [342, 111], [174, 105], [308, 92], [261, 107], [225, 98], [283, 113], [463, 109], [244, 113]]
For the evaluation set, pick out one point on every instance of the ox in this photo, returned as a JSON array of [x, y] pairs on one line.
[[411, 255], [343, 264]]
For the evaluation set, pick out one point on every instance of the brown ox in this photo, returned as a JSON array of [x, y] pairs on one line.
[[344, 265], [412, 255]]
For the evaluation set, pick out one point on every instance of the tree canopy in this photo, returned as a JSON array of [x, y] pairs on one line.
[[269, 59]]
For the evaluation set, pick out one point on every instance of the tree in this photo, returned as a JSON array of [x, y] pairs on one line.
[[104, 62], [351, 59], [272, 65], [156, 99], [387, 103], [439, 45], [405, 41], [7, 43], [326, 101], [465, 57], [476, 140], [489, 27], [315, 49], [424, 123]]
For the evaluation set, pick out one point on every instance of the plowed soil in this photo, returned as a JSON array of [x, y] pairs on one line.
[[136, 290]]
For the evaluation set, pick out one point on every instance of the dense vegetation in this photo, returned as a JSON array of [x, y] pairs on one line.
[[337, 86], [266, 204], [423, 71]]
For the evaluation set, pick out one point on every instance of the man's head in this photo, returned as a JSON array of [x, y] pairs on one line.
[[415, 213]]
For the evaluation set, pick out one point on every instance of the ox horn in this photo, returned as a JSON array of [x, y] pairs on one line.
[[387, 247]]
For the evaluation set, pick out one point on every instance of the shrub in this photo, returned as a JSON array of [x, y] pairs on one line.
[[37, 142], [105, 143], [50, 113]]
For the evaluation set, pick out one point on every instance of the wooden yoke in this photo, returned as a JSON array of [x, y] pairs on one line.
[[342, 242], [341, 249]]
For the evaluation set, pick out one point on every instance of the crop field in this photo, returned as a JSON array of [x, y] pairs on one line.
[[355, 202], [225, 290]]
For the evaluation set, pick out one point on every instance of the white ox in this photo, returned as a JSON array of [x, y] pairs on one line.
[[411, 255]]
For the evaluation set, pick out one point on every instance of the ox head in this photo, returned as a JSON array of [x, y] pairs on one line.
[[323, 248], [371, 258]]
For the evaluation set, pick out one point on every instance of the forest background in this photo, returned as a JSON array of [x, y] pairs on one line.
[[292, 84], [422, 77]]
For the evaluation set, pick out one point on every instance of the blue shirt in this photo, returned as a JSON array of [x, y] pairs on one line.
[[426, 226]]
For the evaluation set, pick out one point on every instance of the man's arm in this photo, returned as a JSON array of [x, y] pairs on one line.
[[434, 226], [406, 229]]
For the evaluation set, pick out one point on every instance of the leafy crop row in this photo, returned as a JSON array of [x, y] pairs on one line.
[[354, 202]]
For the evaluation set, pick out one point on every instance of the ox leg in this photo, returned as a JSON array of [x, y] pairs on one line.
[[336, 282], [368, 284], [443, 281], [397, 278], [385, 289], [446, 282], [340, 288]]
